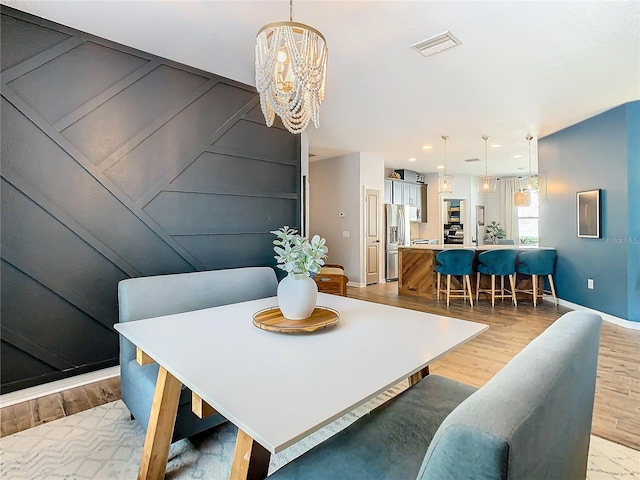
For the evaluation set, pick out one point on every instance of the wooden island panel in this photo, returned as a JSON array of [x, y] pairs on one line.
[[417, 276], [416, 272]]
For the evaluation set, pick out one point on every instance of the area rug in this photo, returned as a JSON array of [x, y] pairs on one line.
[[103, 443]]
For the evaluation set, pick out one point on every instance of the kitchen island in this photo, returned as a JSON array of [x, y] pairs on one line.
[[417, 263]]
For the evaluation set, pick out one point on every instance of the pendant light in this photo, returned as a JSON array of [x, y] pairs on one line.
[[529, 183], [445, 182], [486, 184], [291, 67]]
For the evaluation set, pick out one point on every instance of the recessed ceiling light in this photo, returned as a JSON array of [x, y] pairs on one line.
[[496, 145], [427, 147], [440, 167], [517, 156], [412, 159]]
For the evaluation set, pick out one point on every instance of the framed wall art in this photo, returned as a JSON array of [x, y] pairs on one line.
[[588, 215]]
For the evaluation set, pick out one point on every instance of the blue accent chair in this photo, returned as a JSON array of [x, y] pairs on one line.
[[531, 421], [148, 297], [497, 262], [456, 262], [535, 263]]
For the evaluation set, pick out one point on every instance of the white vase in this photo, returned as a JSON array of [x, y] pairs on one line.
[[297, 296]]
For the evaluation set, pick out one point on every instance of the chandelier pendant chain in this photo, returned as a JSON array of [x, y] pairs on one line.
[[486, 157], [529, 138], [444, 137], [291, 10]]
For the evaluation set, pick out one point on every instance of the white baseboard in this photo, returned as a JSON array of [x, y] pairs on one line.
[[59, 385], [605, 316], [356, 284]]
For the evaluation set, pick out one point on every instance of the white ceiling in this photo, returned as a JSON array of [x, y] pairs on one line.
[[523, 66]]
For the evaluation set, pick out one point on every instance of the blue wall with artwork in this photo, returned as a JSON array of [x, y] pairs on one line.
[[600, 152]]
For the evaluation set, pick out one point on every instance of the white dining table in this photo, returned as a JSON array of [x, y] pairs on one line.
[[278, 388]]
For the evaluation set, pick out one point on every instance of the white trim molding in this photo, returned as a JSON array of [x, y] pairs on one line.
[[631, 325], [38, 391]]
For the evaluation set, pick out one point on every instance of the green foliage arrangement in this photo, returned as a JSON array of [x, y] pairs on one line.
[[493, 232], [296, 254]]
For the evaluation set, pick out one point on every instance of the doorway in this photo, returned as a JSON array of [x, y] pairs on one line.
[[455, 226], [372, 236]]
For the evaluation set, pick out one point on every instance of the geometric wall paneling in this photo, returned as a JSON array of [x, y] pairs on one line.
[[116, 164], [60, 86], [60, 179], [41, 327], [177, 141], [217, 173], [39, 245], [188, 213], [267, 143], [20, 369], [256, 115], [30, 40], [219, 251], [102, 131]]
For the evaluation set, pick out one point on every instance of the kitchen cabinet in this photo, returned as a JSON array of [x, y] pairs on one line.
[[410, 194], [388, 190], [397, 193]]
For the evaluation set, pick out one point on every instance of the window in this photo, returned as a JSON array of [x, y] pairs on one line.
[[528, 221]]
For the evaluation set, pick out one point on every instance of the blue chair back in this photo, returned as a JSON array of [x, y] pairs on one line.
[[536, 262], [455, 262], [498, 262]]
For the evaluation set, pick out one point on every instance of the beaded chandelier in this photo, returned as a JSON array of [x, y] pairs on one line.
[[291, 67]]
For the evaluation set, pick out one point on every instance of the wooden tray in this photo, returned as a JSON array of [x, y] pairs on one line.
[[272, 319]]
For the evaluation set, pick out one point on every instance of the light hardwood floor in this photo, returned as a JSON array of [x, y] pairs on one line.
[[617, 406]]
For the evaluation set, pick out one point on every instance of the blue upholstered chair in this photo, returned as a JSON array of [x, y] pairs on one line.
[[535, 263], [501, 263], [148, 297], [456, 262]]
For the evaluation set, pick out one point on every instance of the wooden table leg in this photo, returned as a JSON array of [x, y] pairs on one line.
[[416, 377], [250, 459], [160, 430]]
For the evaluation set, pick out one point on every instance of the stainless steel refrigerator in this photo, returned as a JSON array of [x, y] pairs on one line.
[[397, 232]]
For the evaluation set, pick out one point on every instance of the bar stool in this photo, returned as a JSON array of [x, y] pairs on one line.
[[497, 262], [456, 262], [534, 263]]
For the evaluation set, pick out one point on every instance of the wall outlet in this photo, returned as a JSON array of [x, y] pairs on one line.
[[590, 283], [346, 233]]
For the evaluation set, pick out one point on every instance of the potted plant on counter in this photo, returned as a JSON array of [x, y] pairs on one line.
[[493, 232], [299, 257]]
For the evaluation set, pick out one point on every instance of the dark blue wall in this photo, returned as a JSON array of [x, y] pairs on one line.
[[600, 152], [117, 164], [633, 187]]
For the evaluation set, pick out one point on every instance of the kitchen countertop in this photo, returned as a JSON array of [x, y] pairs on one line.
[[423, 246]]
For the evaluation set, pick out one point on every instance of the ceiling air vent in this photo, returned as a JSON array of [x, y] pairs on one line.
[[471, 160], [436, 44]]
